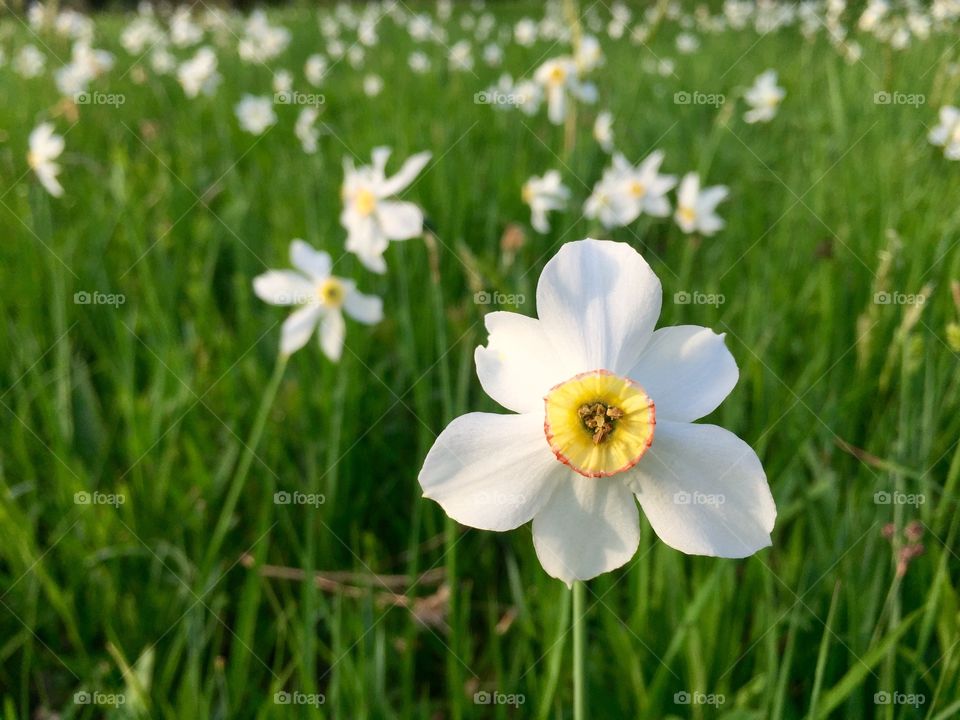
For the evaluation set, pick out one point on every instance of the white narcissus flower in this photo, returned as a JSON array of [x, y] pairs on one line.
[[544, 194], [306, 131], [315, 69], [625, 192], [605, 419], [558, 77], [603, 131], [764, 97], [255, 114], [371, 219], [320, 297], [947, 132], [696, 207], [199, 74], [372, 85], [45, 147]]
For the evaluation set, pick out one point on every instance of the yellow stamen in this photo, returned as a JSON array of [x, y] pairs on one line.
[[687, 214], [599, 423], [331, 293], [557, 75], [638, 189], [364, 201]]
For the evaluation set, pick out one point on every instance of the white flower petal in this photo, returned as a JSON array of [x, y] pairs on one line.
[[411, 168], [312, 262], [283, 287], [598, 302], [687, 370], [704, 491], [590, 526], [298, 328], [333, 331], [492, 472], [399, 220], [363, 308], [519, 365]]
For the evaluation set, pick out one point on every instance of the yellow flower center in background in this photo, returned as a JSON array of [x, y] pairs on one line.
[[330, 292], [526, 194], [599, 423], [638, 189], [364, 201], [557, 75], [686, 213]]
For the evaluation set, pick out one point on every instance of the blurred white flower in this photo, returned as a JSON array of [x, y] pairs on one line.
[[764, 98], [141, 34], [544, 194], [493, 55], [687, 43], [162, 61], [461, 56], [45, 147], [626, 191], [946, 134], [372, 85], [602, 412], [603, 130], [355, 56], [306, 130], [315, 69], [184, 32], [255, 113], [199, 74], [282, 82], [262, 41], [29, 62], [321, 299], [696, 207], [371, 219], [418, 62], [558, 77], [589, 54], [525, 32]]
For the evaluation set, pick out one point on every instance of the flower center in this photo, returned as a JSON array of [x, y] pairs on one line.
[[364, 201], [526, 194], [330, 293], [599, 423], [557, 75], [638, 189], [687, 213]]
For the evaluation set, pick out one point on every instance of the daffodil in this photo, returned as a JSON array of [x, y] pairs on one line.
[[544, 194], [947, 132], [626, 191], [560, 81], [45, 147], [696, 206], [603, 131], [605, 408], [255, 114], [320, 297], [372, 220], [763, 97]]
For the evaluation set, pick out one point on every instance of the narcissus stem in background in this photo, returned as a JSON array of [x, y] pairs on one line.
[[243, 467], [579, 650]]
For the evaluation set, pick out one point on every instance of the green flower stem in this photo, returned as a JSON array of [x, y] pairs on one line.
[[579, 648]]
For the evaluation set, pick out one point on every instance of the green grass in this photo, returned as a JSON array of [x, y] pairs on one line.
[[167, 599]]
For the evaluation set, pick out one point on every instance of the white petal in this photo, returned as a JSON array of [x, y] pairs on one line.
[[283, 287], [590, 526], [310, 261], [298, 328], [399, 220], [687, 371], [363, 308], [492, 472], [411, 168], [704, 491], [519, 365], [332, 334], [598, 302]]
